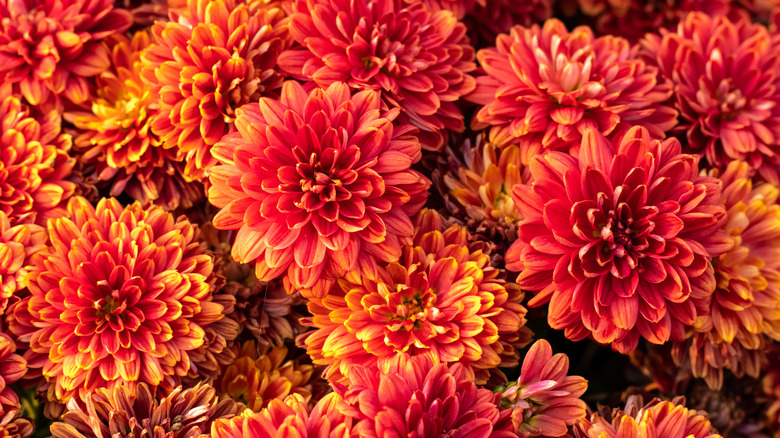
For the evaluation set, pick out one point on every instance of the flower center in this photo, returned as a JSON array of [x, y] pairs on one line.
[[111, 307], [617, 235], [410, 306]]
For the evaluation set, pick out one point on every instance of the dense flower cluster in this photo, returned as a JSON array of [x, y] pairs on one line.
[[381, 218]]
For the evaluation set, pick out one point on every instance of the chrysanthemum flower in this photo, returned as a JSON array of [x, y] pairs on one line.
[[544, 400], [34, 160], [419, 59], [288, 418], [218, 56], [619, 241], [543, 86], [259, 375], [121, 296], [49, 48], [633, 19], [12, 368], [116, 142], [476, 188], [12, 426], [745, 309], [129, 413], [17, 245], [441, 299], [657, 419], [317, 184], [412, 397], [727, 84]]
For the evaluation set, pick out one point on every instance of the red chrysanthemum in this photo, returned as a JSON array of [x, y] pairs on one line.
[[120, 296], [727, 84], [619, 241], [218, 56], [419, 59], [544, 86], [49, 48], [17, 244], [317, 184], [745, 309], [545, 400], [34, 162], [289, 418], [633, 19], [657, 419], [116, 142], [442, 299], [412, 397]]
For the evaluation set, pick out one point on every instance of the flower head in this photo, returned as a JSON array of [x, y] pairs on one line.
[[544, 86], [619, 241], [216, 57], [415, 398], [657, 419], [745, 309], [442, 299], [317, 184], [544, 400], [121, 296], [34, 161], [49, 48], [291, 417], [12, 368], [259, 375], [17, 245], [727, 80], [126, 412], [116, 142], [419, 59]]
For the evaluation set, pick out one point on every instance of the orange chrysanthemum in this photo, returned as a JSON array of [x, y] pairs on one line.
[[116, 142], [218, 56], [476, 189], [317, 184], [442, 299], [126, 412], [259, 375], [289, 418], [12, 368], [34, 162], [745, 309], [727, 83], [17, 245], [419, 59], [657, 419], [121, 296], [544, 401], [619, 241], [49, 48], [412, 397], [544, 86]]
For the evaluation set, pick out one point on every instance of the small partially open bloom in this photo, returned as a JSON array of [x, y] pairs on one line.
[[116, 143], [216, 57], [412, 397], [34, 161], [12, 368], [419, 59], [657, 419], [259, 375], [289, 418], [442, 299], [726, 76], [12, 426], [17, 244], [127, 412], [477, 188], [745, 309], [543, 86], [544, 400], [619, 241], [49, 48], [317, 184], [121, 296]]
